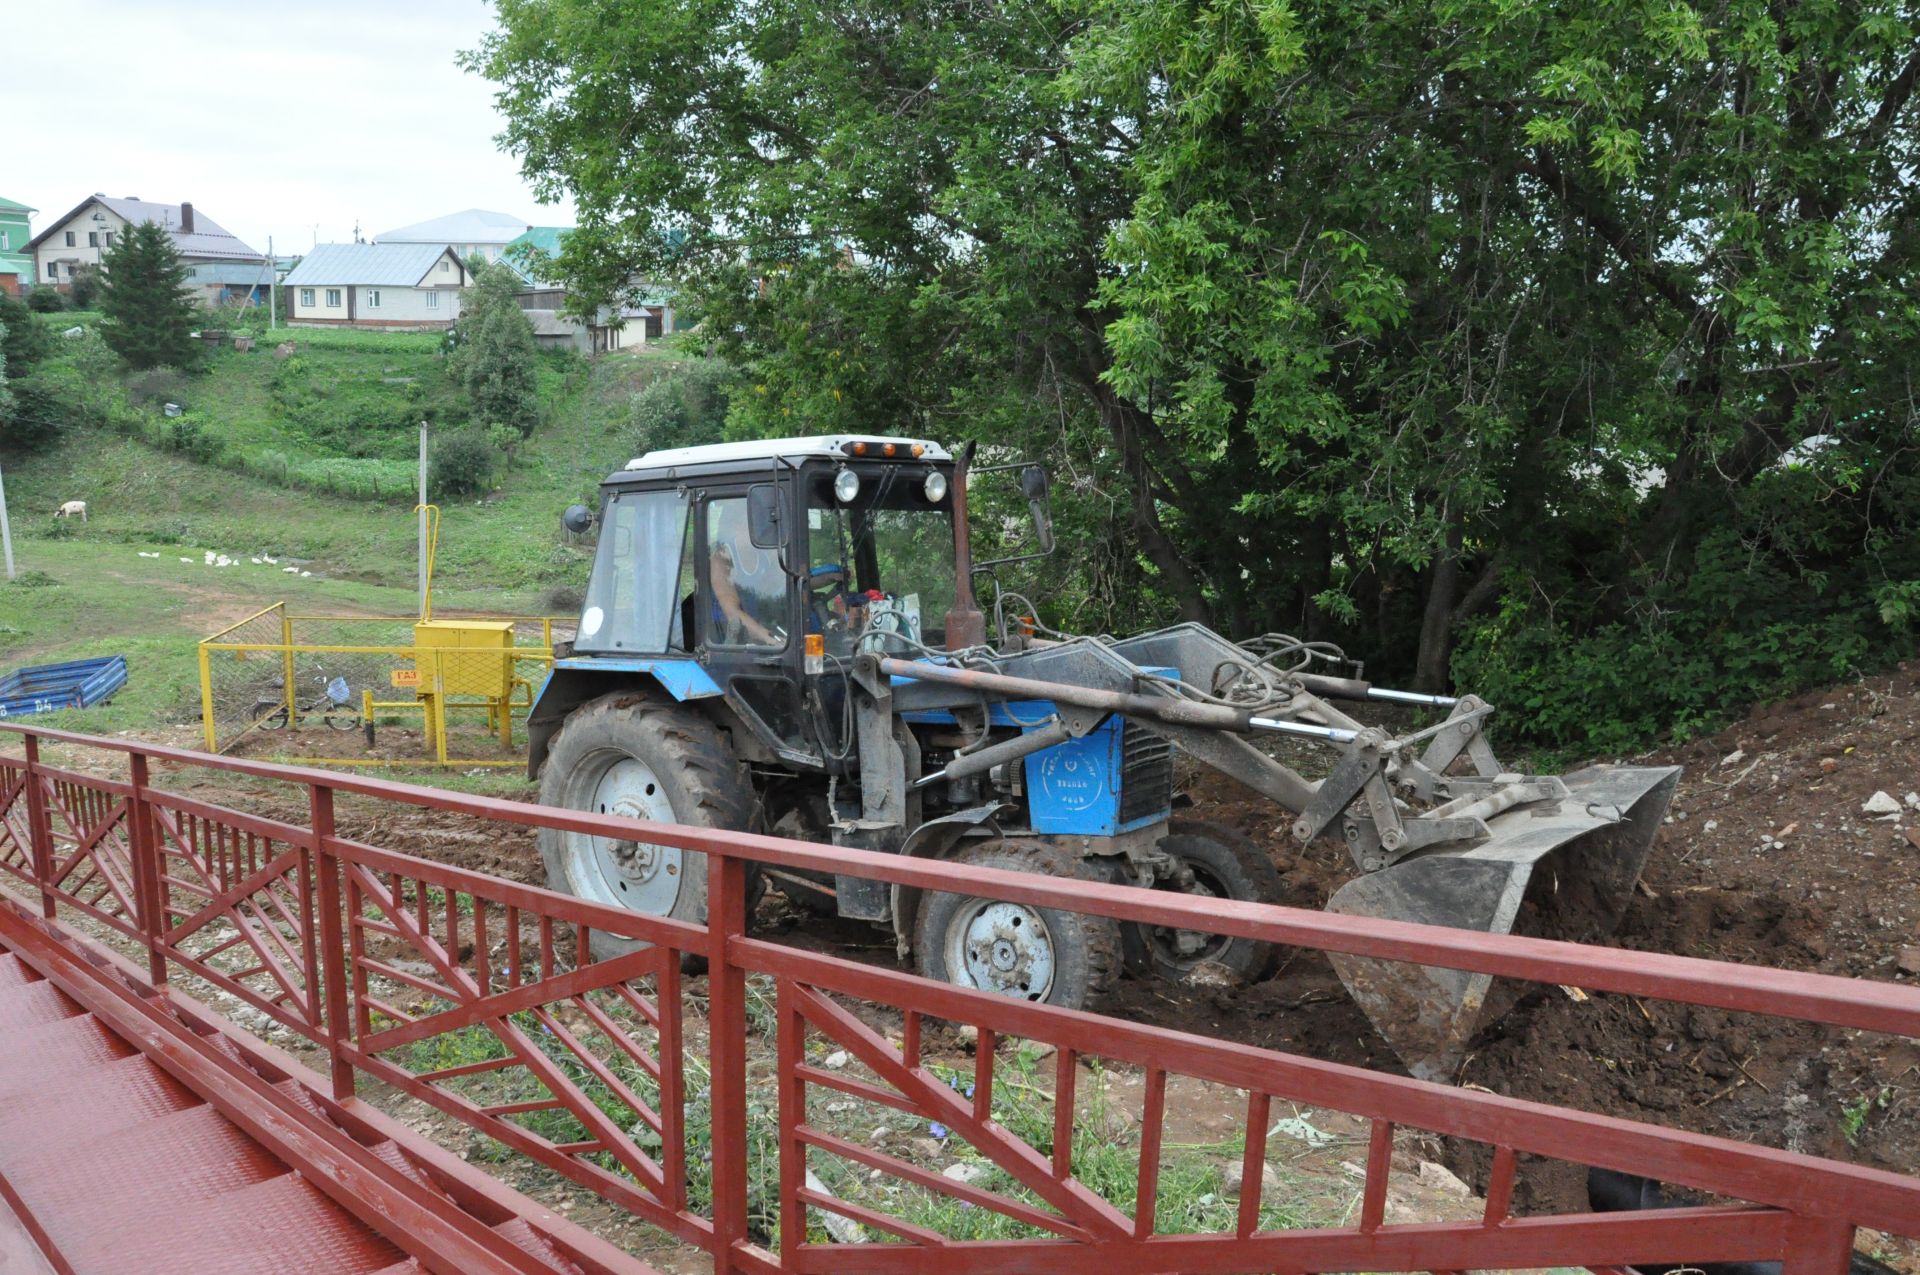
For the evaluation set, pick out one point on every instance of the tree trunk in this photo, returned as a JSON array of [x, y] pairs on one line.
[[1122, 421], [1436, 625]]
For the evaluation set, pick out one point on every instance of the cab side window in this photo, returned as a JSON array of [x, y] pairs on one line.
[[746, 587]]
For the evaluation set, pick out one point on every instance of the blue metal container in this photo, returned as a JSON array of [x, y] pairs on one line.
[[48, 688]]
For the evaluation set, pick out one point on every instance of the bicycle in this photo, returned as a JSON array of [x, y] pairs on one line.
[[335, 706]]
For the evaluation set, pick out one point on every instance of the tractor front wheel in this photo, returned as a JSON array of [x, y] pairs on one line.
[[1045, 955], [628, 754], [1217, 862]]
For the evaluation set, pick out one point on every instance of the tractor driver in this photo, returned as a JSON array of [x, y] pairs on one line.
[[733, 576], [832, 605]]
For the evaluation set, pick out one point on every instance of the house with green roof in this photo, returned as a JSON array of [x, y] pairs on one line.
[[16, 263], [531, 252], [646, 316]]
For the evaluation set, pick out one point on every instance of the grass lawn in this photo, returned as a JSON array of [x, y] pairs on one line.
[[508, 540]]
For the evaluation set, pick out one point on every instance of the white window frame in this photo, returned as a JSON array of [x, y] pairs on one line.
[[70, 239], [445, 265], [333, 298], [6, 241], [93, 239], [306, 296], [433, 300], [53, 270], [373, 297]]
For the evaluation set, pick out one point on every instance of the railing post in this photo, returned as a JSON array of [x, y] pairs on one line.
[[1817, 1246], [330, 921], [727, 1055], [142, 848], [38, 829]]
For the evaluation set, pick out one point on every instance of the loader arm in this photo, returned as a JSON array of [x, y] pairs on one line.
[[1440, 832]]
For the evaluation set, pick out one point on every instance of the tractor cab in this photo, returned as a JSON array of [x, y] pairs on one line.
[[765, 567]]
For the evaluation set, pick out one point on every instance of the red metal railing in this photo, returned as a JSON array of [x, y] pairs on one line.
[[481, 997]]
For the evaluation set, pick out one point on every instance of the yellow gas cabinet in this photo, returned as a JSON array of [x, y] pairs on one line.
[[464, 660]]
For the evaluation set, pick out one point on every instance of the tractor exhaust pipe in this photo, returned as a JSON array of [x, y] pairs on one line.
[[966, 626]]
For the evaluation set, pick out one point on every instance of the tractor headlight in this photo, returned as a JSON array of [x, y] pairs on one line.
[[846, 485], [936, 487]]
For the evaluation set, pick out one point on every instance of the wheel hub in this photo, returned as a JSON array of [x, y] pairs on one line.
[[1003, 948], [1189, 946], [625, 872]]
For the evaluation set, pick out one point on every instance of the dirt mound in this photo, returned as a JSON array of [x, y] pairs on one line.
[[1768, 858]]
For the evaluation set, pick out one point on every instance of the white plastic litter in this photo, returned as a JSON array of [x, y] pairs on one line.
[[1300, 1131]]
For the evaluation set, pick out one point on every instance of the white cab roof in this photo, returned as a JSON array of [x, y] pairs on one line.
[[828, 445]]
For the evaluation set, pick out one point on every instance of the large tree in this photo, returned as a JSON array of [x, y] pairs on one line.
[[1412, 321], [149, 315]]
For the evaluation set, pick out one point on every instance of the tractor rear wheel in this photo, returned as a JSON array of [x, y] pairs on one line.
[[1046, 955], [628, 754], [1218, 862]]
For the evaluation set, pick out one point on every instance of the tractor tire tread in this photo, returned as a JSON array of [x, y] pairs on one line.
[[697, 754]]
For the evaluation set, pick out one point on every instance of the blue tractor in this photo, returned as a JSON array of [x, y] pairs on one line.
[[781, 636]]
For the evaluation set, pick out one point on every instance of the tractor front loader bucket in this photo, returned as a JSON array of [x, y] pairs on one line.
[[1559, 870]]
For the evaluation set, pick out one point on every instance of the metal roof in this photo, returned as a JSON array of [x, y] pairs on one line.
[[233, 273], [209, 238], [14, 205], [475, 225], [831, 446], [549, 323], [396, 265]]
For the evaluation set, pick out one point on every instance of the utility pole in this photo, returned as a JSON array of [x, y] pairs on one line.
[[6, 530], [273, 287], [423, 520]]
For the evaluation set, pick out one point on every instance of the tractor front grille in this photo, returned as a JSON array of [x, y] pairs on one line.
[[1146, 773]]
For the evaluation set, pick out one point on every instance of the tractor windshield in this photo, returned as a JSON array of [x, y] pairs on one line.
[[639, 575], [880, 563]]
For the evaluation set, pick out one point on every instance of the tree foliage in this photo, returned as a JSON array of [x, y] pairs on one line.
[[495, 356], [1473, 334], [149, 316]]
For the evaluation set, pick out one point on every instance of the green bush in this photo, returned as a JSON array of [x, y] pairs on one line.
[[187, 434], [1767, 605], [686, 407], [37, 421], [27, 340], [85, 290], [461, 463], [45, 300]]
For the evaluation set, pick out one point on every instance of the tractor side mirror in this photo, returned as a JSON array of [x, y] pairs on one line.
[[766, 528], [578, 519], [1033, 484]]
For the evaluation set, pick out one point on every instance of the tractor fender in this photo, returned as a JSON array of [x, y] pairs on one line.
[[934, 839], [575, 680]]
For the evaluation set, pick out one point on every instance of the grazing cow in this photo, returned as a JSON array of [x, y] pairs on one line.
[[1612, 1192], [73, 509]]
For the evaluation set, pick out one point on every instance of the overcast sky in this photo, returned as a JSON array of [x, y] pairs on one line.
[[290, 120]]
